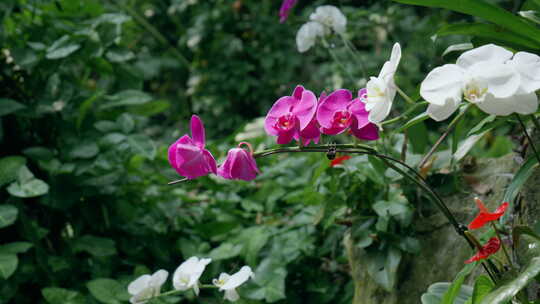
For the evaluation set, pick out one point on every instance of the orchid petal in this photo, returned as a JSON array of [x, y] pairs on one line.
[[379, 111], [522, 104], [285, 137], [487, 53], [197, 131], [297, 93], [281, 107], [239, 164], [307, 35], [311, 132], [139, 284], [159, 278], [440, 113], [441, 84], [502, 81], [238, 278], [528, 67], [368, 132], [358, 109], [306, 108], [231, 295], [338, 100]]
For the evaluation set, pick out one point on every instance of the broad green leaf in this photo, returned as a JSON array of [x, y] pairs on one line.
[[455, 288], [85, 107], [143, 144], [520, 178], [479, 128], [107, 291], [94, 245], [126, 98], [9, 167], [32, 188], [382, 267], [225, 251], [15, 247], [126, 123], [488, 31], [54, 295], [270, 280], [435, 293], [151, 108], [485, 10], [518, 231], [119, 55], [8, 265], [417, 119], [8, 106], [38, 153], [8, 215], [466, 145], [63, 51], [482, 286], [86, 149], [507, 291]]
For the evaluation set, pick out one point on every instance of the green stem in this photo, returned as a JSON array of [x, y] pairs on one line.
[[154, 32], [445, 134], [529, 139], [174, 291], [502, 244], [405, 114], [336, 59], [405, 96]]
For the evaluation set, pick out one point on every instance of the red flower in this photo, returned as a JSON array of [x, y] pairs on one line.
[[339, 160], [485, 216], [488, 249]]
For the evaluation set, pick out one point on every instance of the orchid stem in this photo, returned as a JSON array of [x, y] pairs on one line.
[[529, 139], [451, 127], [405, 96], [502, 244], [336, 59], [175, 291], [405, 114]]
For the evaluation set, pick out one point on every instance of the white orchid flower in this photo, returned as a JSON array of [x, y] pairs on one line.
[[188, 273], [308, 34], [147, 286], [487, 76], [229, 283], [331, 17], [381, 90]]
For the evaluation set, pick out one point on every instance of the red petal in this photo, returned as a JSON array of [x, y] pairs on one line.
[[339, 160]]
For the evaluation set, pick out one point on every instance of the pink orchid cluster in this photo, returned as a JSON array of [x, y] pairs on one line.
[[189, 157], [303, 117]]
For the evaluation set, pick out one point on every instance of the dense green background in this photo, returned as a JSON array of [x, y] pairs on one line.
[[92, 93]]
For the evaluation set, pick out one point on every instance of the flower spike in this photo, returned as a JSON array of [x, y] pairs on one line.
[[484, 216]]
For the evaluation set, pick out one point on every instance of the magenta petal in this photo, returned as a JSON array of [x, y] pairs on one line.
[[281, 107], [239, 164], [306, 108], [285, 137], [197, 131], [311, 132], [192, 161], [358, 109], [332, 131], [368, 132], [297, 93], [336, 101], [210, 162], [172, 154]]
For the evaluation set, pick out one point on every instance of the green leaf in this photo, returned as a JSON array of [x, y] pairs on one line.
[[506, 292], [119, 55], [8, 106], [458, 48], [466, 145], [15, 247], [9, 167], [454, 289], [520, 178], [151, 108], [126, 98], [54, 295], [58, 52], [485, 10], [435, 293], [488, 31], [143, 144], [87, 149], [518, 231], [8, 265], [415, 120], [382, 267], [270, 278], [8, 215], [85, 106], [32, 188], [96, 246], [225, 251], [482, 286], [38, 153], [107, 291], [126, 123], [533, 16]]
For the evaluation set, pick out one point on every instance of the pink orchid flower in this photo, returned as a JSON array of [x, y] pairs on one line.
[[188, 156], [290, 116], [285, 8], [339, 112], [239, 164]]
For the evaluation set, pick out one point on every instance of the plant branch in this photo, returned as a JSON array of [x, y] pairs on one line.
[[531, 143]]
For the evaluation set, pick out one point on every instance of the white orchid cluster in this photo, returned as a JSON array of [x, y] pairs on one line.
[[184, 278], [324, 20], [491, 77]]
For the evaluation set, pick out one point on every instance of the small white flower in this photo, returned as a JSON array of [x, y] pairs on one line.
[[331, 17], [381, 90], [308, 34], [188, 273], [147, 286], [229, 283], [487, 76]]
